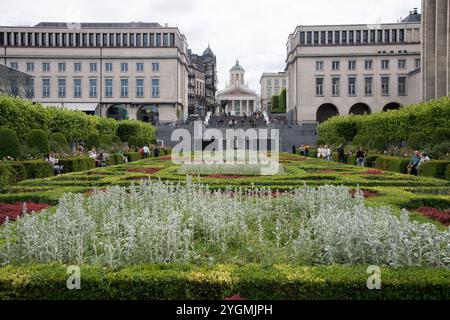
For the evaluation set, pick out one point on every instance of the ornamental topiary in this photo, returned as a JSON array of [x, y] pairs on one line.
[[9, 144], [379, 143], [60, 141], [37, 138], [92, 141], [417, 140]]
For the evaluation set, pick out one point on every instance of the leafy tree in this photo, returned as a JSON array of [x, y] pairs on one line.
[[417, 140], [275, 105], [9, 144]]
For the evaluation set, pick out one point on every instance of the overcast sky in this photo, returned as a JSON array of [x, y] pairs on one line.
[[255, 31]]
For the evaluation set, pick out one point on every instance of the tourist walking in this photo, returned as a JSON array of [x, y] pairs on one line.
[[414, 163], [360, 158], [341, 153], [146, 151]]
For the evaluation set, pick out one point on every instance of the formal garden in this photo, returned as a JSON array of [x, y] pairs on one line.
[[151, 229]]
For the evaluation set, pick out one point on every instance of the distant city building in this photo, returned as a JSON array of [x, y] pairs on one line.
[[353, 69], [202, 82], [271, 84], [436, 48], [237, 98], [118, 70], [14, 83]]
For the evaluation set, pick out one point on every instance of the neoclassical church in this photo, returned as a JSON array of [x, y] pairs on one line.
[[237, 99]]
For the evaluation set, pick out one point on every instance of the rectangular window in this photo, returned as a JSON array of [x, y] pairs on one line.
[[358, 36], [284, 83], [365, 36], [77, 67], [108, 88], [368, 64], [337, 37], [131, 39], [372, 36], [309, 38], [61, 67], [368, 86], [401, 36], [158, 39], [152, 39], [29, 87], [108, 67], [402, 86], [385, 64], [344, 37], [402, 64], [319, 87], [125, 40], [71, 42], [155, 88], [330, 37], [124, 67], [46, 67], [77, 88], [387, 36], [123, 88], [319, 65], [302, 38], [323, 37], [394, 36], [352, 65], [61, 88], [165, 40], [385, 86], [138, 39], [139, 67], [380, 36], [155, 67], [352, 86], [93, 88], [335, 87], [30, 67], [351, 36], [14, 65], [145, 40], [139, 88], [118, 40], [335, 65], [93, 67], [45, 88], [316, 37], [418, 63]]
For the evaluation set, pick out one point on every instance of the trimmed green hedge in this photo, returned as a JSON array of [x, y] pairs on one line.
[[37, 169], [115, 159], [351, 159], [397, 125], [133, 156], [436, 169], [76, 164], [447, 173], [370, 160], [394, 164], [252, 282], [11, 173]]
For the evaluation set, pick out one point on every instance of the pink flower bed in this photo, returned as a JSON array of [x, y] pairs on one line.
[[442, 216]]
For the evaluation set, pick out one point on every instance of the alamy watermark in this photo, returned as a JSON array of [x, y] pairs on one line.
[[374, 280], [255, 146], [74, 280]]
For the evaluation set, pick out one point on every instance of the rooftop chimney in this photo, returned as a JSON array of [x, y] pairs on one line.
[[415, 10]]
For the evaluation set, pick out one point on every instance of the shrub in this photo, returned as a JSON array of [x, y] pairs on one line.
[[379, 143], [439, 136], [397, 125], [92, 141], [320, 142], [77, 164], [133, 156], [116, 140], [37, 138], [58, 139], [441, 150], [394, 164], [417, 140], [115, 159], [38, 169], [283, 100], [275, 106], [351, 159], [9, 144], [434, 169], [106, 141], [133, 142], [11, 173], [141, 142], [370, 160], [252, 281], [447, 173], [348, 130]]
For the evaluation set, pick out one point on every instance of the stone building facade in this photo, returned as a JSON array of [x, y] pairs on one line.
[[118, 70], [271, 84], [436, 48], [353, 69], [202, 82]]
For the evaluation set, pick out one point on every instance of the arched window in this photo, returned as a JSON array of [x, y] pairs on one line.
[[325, 112], [148, 113], [360, 109], [117, 112]]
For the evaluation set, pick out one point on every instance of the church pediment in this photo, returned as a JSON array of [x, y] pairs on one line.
[[237, 91]]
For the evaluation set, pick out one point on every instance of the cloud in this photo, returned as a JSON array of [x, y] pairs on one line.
[[256, 31]]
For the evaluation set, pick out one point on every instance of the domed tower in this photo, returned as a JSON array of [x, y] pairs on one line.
[[237, 75]]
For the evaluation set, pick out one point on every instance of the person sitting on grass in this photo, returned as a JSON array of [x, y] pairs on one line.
[[414, 163]]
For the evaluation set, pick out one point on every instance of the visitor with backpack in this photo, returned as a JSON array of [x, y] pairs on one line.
[[360, 158]]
